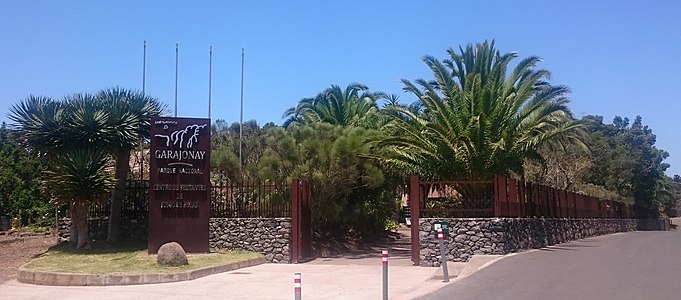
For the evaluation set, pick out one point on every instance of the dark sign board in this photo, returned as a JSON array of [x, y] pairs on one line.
[[179, 192]]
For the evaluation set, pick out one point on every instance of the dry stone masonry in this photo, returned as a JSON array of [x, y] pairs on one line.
[[132, 229], [482, 236], [271, 237]]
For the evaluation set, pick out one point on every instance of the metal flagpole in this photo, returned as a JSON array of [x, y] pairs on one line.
[[177, 51], [144, 67], [241, 117], [144, 86], [210, 74]]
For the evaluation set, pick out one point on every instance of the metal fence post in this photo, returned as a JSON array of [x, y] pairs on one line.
[[443, 254], [296, 286], [295, 221], [385, 274], [415, 210]]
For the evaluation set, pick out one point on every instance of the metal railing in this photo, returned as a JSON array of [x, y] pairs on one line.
[[228, 200], [507, 197], [513, 198], [250, 200]]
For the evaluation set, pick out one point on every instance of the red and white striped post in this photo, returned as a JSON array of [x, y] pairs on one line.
[[296, 286], [443, 254], [385, 274]]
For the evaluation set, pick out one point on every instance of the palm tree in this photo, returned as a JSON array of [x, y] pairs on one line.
[[391, 101], [79, 176], [473, 120], [74, 135], [113, 121], [42, 122], [130, 121], [354, 106]]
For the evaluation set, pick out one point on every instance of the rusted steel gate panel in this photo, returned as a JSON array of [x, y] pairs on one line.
[[415, 200], [301, 221]]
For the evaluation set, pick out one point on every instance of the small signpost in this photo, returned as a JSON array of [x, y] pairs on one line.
[[442, 228], [441, 225]]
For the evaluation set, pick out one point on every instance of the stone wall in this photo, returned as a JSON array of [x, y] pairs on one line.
[[135, 229], [654, 224], [469, 237], [271, 237]]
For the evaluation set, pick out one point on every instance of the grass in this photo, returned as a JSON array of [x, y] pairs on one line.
[[125, 260]]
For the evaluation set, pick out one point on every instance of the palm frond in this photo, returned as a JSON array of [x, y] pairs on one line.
[[474, 120]]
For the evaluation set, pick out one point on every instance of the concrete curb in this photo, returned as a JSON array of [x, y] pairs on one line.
[[69, 279], [458, 270], [479, 262]]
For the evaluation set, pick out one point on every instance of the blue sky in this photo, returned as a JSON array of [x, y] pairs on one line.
[[618, 57]]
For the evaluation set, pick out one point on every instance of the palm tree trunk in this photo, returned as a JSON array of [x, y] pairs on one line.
[[80, 219], [122, 169]]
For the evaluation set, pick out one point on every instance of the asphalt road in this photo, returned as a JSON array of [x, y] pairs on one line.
[[635, 265]]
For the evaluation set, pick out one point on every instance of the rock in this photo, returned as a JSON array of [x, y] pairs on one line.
[[171, 254], [460, 238]]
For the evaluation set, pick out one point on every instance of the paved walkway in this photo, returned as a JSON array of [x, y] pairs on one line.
[[342, 278], [351, 276]]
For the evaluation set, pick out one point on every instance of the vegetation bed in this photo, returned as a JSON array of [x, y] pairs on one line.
[[125, 260]]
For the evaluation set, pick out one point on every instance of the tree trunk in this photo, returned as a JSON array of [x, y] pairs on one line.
[[80, 215], [118, 193], [73, 229]]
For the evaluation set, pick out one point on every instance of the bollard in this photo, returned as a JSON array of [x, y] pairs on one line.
[[296, 286], [385, 274], [443, 254]]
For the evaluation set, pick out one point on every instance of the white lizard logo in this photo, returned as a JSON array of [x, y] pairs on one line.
[[177, 137]]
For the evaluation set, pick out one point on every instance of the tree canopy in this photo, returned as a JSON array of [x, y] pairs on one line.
[[353, 106], [21, 191], [475, 120]]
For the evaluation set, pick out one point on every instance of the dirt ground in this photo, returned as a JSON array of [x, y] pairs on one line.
[[18, 250]]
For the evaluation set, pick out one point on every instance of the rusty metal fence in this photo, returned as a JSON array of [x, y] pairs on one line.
[[506, 197], [456, 199], [513, 198], [135, 202], [254, 199]]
